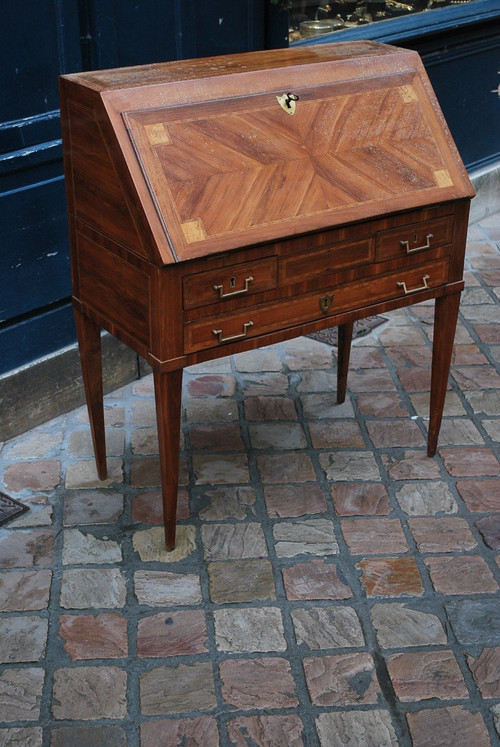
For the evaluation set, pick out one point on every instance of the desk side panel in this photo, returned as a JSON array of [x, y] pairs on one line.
[[114, 291], [98, 187]]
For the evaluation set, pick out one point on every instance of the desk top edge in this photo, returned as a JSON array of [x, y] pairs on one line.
[[114, 79]]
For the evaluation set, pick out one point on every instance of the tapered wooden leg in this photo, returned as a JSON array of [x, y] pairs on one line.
[[89, 343], [445, 322], [168, 392], [343, 355]]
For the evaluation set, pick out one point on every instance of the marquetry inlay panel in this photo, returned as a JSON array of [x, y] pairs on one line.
[[339, 150]]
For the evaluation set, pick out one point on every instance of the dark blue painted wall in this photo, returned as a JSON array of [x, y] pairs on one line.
[[40, 39]]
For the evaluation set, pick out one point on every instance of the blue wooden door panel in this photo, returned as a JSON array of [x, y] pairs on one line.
[[40, 40], [229, 27], [33, 52], [134, 32], [140, 41], [34, 261], [26, 340], [464, 81], [19, 134]]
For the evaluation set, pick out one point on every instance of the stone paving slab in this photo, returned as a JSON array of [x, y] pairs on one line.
[[331, 584]]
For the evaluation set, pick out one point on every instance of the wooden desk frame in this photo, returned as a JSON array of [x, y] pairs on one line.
[[345, 217], [168, 390]]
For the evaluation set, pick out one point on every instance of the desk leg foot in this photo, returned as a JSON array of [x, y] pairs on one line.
[[445, 322], [168, 393], [343, 355], [89, 343]]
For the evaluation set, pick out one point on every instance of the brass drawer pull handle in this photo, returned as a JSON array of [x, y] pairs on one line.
[[240, 292], [427, 245], [218, 333], [414, 290]]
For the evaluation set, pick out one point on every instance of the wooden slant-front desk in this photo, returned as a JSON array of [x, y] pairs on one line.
[[222, 204]]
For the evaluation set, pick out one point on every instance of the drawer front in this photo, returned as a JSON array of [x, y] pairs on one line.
[[243, 279], [274, 316], [294, 269], [414, 239]]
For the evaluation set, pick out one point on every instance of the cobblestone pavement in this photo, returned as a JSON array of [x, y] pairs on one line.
[[331, 584]]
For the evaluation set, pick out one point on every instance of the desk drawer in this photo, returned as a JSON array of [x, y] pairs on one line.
[[414, 238], [322, 260], [243, 279], [259, 320]]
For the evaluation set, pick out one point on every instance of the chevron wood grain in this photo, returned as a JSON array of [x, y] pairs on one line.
[[335, 152]]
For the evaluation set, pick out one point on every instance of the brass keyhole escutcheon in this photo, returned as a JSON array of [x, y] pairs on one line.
[[232, 282], [288, 102], [325, 302]]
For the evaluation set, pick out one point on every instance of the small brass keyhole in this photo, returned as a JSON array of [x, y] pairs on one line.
[[287, 101], [325, 302], [232, 282]]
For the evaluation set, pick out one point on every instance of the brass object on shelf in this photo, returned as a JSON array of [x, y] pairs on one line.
[[325, 26]]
